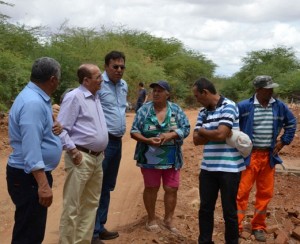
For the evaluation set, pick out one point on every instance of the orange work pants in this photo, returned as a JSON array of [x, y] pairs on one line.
[[258, 171]]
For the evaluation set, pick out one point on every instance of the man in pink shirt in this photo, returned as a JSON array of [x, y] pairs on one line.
[[84, 138]]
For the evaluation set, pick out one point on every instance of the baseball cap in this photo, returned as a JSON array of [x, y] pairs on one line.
[[241, 141], [163, 84], [264, 81]]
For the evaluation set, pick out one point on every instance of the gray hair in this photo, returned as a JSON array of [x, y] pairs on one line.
[[43, 68]]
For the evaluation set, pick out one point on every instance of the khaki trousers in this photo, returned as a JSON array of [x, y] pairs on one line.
[[81, 196]]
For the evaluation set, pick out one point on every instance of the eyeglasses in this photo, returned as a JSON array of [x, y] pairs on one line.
[[118, 66], [95, 78]]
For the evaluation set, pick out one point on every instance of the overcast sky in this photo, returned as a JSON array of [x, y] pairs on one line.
[[223, 30]]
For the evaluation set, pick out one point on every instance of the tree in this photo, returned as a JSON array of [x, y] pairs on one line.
[[4, 17], [277, 62]]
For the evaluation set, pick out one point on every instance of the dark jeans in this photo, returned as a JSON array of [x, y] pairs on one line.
[[30, 216], [137, 107], [111, 163], [210, 184]]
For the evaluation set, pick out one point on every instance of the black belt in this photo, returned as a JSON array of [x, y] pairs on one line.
[[80, 148], [114, 138], [261, 148]]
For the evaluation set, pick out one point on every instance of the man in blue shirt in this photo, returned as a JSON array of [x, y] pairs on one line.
[[113, 96], [36, 152], [270, 125]]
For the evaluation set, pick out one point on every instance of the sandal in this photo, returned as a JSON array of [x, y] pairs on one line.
[[174, 230], [153, 228]]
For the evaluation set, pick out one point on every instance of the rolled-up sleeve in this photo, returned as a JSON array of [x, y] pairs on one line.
[[183, 124]]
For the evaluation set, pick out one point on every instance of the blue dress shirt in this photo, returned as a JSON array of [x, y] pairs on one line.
[[113, 100], [30, 132]]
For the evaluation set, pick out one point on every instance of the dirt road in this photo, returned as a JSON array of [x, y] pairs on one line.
[[124, 202], [127, 213]]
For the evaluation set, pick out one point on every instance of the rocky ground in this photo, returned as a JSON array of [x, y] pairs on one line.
[[283, 214]]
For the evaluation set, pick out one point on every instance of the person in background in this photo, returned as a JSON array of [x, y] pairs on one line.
[[113, 96], [262, 118], [221, 164], [159, 128], [36, 152], [84, 139], [142, 96]]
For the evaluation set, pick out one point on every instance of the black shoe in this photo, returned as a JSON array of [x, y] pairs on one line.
[[108, 235], [259, 235], [96, 240]]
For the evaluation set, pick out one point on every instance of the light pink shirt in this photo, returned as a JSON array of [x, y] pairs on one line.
[[83, 121]]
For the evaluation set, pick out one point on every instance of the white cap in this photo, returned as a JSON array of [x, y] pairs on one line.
[[241, 142]]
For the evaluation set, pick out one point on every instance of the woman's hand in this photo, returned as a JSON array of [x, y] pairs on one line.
[[165, 137], [154, 141]]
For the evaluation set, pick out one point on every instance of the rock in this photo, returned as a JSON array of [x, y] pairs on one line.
[[272, 229], [292, 212], [281, 237], [195, 203], [245, 235], [296, 233], [295, 220]]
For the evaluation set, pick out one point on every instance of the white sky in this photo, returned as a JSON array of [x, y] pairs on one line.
[[223, 30]]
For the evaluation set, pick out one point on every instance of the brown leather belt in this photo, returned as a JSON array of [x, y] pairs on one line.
[[80, 148], [114, 138]]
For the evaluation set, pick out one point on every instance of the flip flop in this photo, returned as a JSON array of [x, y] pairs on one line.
[[174, 230], [153, 228]]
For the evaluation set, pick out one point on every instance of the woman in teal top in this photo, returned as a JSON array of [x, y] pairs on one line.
[[159, 128]]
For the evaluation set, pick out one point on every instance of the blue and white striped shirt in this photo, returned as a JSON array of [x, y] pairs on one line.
[[218, 156]]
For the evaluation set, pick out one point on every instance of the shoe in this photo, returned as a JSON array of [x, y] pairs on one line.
[[259, 235], [96, 240], [108, 235]]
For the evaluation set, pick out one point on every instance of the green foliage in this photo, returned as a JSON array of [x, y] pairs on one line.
[[148, 59], [235, 89], [17, 46], [154, 47], [289, 85], [280, 63]]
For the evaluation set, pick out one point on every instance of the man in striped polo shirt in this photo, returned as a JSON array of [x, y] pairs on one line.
[[262, 117], [221, 164]]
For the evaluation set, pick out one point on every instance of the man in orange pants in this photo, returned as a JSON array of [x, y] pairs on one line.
[[262, 117]]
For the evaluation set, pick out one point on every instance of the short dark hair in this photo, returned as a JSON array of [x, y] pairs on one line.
[[203, 83], [141, 84], [43, 68], [82, 72], [114, 55]]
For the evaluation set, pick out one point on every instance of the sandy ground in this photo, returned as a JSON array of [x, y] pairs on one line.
[[127, 214]]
